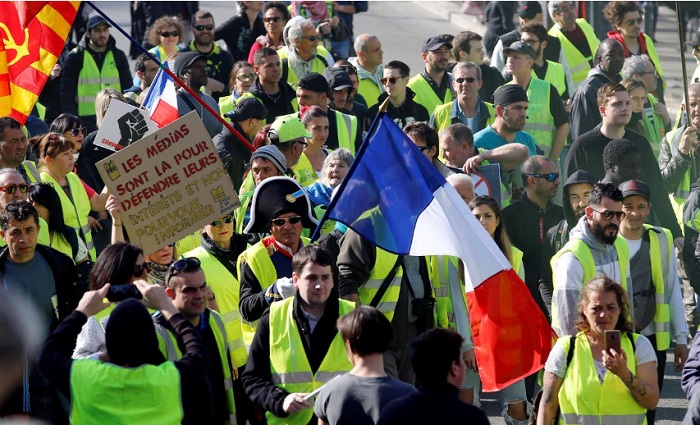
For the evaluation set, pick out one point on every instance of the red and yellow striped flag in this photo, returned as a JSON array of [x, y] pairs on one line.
[[33, 35]]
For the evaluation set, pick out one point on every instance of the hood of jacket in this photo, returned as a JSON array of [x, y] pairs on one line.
[[598, 72], [603, 254], [580, 176]]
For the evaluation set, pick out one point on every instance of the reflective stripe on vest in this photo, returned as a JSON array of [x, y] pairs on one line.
[[582, 397], [426, 96], [383, 264], [92, 80], [293, 372], [167, 344], [347, 130], [661, 250], [32, 172], [76, 212], [227, 290], [540, 122], [584, 256], [578, 64], [104, 393]]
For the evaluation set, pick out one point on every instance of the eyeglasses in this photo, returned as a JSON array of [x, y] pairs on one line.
[[530, 42], [423, 148], [204, 27], [279, 222], [303, 142], [631, 22], [171, 245], [274, 19], [351, 70], [139, 269], [12, 188], [225, 219], [468, 80], [77, 130], [246, 77], [167, 34], [391, 80], [608, 215], [184, 265], [312, 37], [550, 177]]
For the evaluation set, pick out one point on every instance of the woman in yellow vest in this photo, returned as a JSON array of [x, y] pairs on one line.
[[585, 381], [135, 385], [165, 35], [513, 397], [308, 169], [70, 127], [56, 164], [241, 80]]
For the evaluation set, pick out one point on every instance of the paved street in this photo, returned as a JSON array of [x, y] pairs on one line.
[[402, 27]]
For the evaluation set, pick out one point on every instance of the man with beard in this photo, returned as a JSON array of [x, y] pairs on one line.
[[622, 162], [432, 86], [586, 153], [468, 46], [609, 60], [656, 295], [576, 191], [593, 250]]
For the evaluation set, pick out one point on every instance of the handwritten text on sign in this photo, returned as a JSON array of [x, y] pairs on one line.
[[170, 183]]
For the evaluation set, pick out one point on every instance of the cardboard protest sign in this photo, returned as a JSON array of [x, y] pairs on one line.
[[170, 183], [487, 181], [123, 125]]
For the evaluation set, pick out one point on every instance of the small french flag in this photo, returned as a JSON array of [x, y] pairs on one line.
[[161, 100]]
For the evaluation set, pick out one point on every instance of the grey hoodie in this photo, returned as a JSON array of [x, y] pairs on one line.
[[568, 275]]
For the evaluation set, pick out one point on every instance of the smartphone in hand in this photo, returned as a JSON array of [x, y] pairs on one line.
[[612, 342], [118, 293]]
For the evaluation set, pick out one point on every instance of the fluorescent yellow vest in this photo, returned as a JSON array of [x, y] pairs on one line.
[[317, 66], [653, 125], [540, 122], [304, 172], [679, 194], [555, 76], [382, 266], [92, 80], [579, 65], [582, 397], [246, 197], [293, 372], [228, 291], [104, 393], [32, 173], [347, 130], [425, 95], [369, 90], [654, 56], [75, 213], [662, 257], [442, 115], [226, 104], [585, 258], [167, 344]]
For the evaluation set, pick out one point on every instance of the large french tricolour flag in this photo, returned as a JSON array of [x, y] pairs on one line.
[[397, 199], [161, 99]]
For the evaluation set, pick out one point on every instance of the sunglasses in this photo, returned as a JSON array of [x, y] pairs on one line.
[[184, 265], [391, 80], [279, 222], [274, 19], [631, 22], [204, 27], [468, 80], [171, 245], [608, 215], [139, 269], [550, 177], [225, 219], [312, 37], [246, 77], [348, 68], [12, 188], [167, 34], [302, 141], [77, 130], [423, 148]]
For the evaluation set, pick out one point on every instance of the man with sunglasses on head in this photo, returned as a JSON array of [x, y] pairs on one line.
[[13, 150], [402, 108], [219, 61], [594, 249], [210, 399]]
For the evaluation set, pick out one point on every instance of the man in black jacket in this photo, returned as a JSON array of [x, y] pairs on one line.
[[277, 96]]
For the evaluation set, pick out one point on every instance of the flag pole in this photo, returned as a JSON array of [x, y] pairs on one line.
[[162, 66], [682, 48], [353, 166]]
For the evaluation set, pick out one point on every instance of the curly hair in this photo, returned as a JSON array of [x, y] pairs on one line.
[[601, 285], [616, 151], [615, 11], [161, 25]]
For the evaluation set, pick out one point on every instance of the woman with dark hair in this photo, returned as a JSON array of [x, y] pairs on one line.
[[240, 81], [70, 127], [487, 211], [308, 168], [585, 379], [275, 17], [62, 237], [241, 31], [119, 264]]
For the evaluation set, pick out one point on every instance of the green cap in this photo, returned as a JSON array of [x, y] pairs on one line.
[[288, 128]]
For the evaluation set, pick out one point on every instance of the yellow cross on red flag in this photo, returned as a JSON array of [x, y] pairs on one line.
[[33, 35]]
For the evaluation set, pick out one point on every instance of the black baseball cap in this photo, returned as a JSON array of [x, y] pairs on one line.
[[314, 82], [529, 9], [520, 47], [247, 108], [635, 187], [338, 78], [435, 42], [184, 60], [96, 20]]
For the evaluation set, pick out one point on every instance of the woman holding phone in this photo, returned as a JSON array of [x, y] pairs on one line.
[[588, 380]]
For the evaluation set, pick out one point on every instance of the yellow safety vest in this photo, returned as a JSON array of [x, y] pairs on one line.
[[304, 172], [167, 344], [346, 130], [318, 65], [369, 90], [555, 76], [60, 244], [662, 257], [75, 212], [443, 112], [382, 266], [92, 80], [245, 197], [654, 57], [32, 172], [258, 259], [579, 65], [104, 393], [227, 290], [425, 95], [583, 399], [540, 122], [654, 129], [585, 258], [293, 372], [680, 193], [226, 104]]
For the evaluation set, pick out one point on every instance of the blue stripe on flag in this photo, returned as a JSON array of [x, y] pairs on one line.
[[156, 89]]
